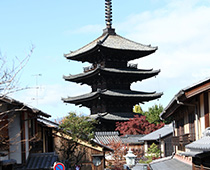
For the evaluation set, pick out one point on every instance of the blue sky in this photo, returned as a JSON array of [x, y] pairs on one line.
[[180, 29]]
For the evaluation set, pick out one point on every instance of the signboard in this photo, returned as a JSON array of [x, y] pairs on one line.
[[59, 166]]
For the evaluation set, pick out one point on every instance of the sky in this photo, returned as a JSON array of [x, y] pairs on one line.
[[180, 29]]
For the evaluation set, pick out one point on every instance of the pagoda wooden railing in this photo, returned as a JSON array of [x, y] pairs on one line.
[[130, 65], [182, 139], [89, 68], [192, 137]]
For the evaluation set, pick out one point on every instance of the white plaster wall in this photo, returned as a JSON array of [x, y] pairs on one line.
[[202, 118], [186, 124], [14, 133], [209, 106], [26, 136], [162, 148], [145, 148]]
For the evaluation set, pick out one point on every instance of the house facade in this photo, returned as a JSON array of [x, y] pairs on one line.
[[162, 138], [190, 111], [19, 129], [27, 136]]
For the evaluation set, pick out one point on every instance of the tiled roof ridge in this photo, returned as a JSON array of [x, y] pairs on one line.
[[107, 133], [155, 47], [96, 40]]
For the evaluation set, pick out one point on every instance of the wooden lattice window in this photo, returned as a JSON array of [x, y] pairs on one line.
[[191, 118]]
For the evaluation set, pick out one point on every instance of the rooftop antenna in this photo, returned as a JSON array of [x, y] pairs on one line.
[[37, 88]]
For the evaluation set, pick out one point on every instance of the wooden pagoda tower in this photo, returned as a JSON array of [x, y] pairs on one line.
[[110, 76]]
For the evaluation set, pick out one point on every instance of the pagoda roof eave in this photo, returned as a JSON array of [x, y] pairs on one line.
[[113, 44], [138, 72], [114, 116], [122, 94]]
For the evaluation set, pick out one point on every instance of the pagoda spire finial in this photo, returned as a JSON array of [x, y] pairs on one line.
[[108, 13]]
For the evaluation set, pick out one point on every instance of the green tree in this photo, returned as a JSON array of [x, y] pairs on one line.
[[137, 109], [153, 150], [79, 128], [153, 113]]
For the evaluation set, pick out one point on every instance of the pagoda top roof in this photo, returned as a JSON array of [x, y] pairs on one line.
[[140, 96], [112, 41], [145, 73]]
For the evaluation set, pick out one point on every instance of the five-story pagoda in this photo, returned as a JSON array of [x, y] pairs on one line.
[[110, 76]]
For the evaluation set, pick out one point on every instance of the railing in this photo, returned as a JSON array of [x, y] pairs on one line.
[[192, 137], [175, 140], [132, 65], [181, 139], [89, 68]]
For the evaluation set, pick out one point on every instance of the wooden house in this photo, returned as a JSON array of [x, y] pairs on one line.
[[27, 136], [19, 130], [190, 111], [162, 138]]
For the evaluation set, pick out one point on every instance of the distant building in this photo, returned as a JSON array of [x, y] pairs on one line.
[[110, 76], [161, 137]]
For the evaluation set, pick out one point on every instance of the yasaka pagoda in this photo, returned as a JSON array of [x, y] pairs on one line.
[[110, 76]]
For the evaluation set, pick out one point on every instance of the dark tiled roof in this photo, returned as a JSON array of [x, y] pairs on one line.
[[116, 116], [39, 161], [48, 123], [107, 137], [23, 106], [112, 42], [164, 131], [141, 96], [202, 144], [170, 164], [138, 73], [8, 162], [132, 139]]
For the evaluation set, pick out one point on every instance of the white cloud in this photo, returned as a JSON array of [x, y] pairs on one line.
[[48, 98], [181, 31]]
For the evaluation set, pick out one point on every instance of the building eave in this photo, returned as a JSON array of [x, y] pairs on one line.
[[137, 74], [183, 95], [122, 94], [114, 44]]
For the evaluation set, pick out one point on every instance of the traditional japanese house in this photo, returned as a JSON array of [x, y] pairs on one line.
[[28, 140], [162, 138], [110, 76], [20, 132], [190, 111]]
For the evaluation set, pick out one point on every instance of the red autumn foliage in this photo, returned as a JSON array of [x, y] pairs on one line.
[[137, 125], [118, 160]]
